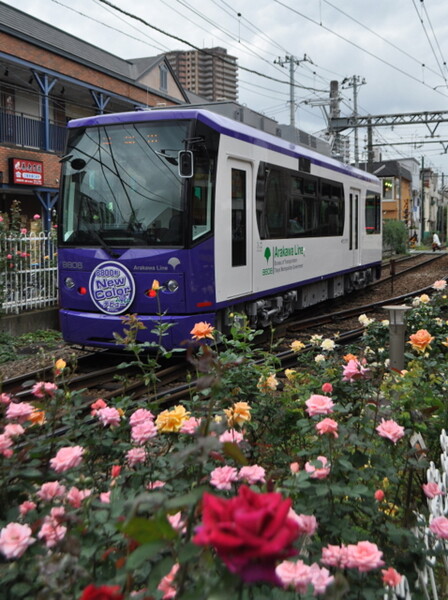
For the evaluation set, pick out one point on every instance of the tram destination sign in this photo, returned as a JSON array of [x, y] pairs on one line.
[[26, 172]]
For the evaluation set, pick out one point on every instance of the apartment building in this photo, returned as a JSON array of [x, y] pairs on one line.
[[210, 73]]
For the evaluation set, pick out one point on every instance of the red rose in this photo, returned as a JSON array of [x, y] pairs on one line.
[[250, 532], [101, 592]]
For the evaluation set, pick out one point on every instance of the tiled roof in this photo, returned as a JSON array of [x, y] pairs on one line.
[[24, 26]]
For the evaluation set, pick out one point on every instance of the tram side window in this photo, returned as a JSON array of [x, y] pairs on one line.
[[239, 216], [202, 195], [275, 204], [331, 209], [373, 212]]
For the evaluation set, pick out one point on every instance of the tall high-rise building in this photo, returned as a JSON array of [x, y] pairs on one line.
[[210, 72]]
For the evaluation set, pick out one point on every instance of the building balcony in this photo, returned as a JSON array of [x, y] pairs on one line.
[[25, 131]]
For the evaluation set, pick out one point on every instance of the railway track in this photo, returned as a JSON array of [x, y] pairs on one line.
[[106, 374]]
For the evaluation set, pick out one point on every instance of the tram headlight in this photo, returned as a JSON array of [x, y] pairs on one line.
[[69, 283], [172, 285]]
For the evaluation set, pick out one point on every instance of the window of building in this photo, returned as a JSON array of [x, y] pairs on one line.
[[388, 189], [163, 72]]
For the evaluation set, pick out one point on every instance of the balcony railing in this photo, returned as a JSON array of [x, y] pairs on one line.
[[28, 132]]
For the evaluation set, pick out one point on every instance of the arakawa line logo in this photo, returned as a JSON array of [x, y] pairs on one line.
[[282, 258]]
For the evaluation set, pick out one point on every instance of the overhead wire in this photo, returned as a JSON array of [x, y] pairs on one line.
[[195, 47], [429, 41], [351, 42]]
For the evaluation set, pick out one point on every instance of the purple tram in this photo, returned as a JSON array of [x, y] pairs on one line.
[[224, 216]]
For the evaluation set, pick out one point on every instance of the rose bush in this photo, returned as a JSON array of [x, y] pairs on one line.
[[263, 484]]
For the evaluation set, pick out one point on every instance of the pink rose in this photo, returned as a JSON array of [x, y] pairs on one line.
[[5, 445], [109, 416], [154, 485], [354, 370], [13, 429], [43, 388], [15, 539], [52, 531], [26, 507], [136, 456], [75, 497], [105, 497], [320, 578], [166, 584], [391, 577], [294, 467], [364, 556], [67, 458], [307, 523], [5, 398], [232, 436], [334, 556], [253, 474], [177, 522], [140, 416], [296, 575], [432, 490], [50, 490], [19, 411], [390, 430], [223, 477], [143, 432], [190, 425], [327, 426], [439, 526], [327, 388], [318, 472], [319, 405]]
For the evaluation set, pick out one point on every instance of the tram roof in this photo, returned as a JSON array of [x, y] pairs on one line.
[[226, 126]]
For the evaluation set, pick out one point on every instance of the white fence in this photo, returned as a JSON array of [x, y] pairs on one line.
[[28, 272]]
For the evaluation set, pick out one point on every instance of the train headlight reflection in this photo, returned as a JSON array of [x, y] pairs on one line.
[[69, 283], [172, 285]]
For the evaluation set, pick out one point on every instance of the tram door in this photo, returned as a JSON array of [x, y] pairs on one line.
[[239, 227], [353, 241]]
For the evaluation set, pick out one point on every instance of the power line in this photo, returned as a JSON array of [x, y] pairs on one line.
[[353, 43], [179, 39]]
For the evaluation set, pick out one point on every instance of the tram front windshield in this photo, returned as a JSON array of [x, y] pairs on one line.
[[121, 185]]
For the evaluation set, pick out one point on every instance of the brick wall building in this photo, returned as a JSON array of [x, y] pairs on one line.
[[48, 77]]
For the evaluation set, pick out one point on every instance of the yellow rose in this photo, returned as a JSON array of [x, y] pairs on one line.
[[60, 365], [238, 414], [170, 421], [296, 346], [290, 374]]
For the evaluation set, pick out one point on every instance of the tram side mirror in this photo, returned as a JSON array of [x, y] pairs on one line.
[[78, 163], [186, 163]]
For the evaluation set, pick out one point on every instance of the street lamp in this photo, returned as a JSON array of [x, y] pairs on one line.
[[397, 330]]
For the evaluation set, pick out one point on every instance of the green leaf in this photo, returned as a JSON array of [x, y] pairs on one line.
[[188, 552], [144, 553], [146, 531], [20, 590], [186, 500], [232, 450]]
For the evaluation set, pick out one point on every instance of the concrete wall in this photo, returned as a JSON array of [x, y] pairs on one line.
[[30, 321]]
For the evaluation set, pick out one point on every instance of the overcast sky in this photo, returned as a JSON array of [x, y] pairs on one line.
[[398, 47]]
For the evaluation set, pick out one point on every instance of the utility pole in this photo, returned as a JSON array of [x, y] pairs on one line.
[[292, 63], [422, 200], [355, 81]]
